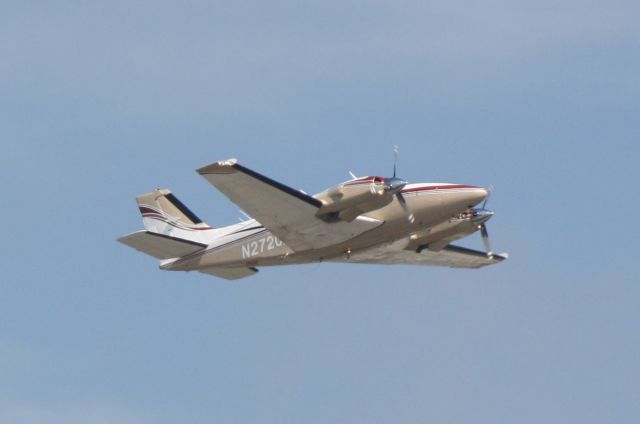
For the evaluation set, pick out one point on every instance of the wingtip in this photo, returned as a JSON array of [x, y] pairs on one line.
[[220, 167], [501, 257]]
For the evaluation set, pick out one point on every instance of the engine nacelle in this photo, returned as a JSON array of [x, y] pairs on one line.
[[352, 198], [439, 236]]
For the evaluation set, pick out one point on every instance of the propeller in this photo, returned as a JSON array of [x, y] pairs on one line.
[[405, 208], [486, 199], [395, 185], [485, 239], [482, 227], [395, 159]]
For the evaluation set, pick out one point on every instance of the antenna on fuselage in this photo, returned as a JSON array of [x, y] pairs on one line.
[[353, 175]]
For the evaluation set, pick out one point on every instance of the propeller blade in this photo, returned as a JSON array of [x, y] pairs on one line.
[[395, 159], [490, 192], [405, 208], [485, 239]]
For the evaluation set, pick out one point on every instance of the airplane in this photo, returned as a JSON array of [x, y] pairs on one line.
[[366, 220]]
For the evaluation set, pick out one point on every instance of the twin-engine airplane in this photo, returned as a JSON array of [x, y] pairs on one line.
[[373, 220]]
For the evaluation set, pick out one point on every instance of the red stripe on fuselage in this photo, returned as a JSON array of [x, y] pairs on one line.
[[442, 187]]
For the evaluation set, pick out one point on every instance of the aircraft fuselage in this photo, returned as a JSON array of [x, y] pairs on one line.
[[435, 211]]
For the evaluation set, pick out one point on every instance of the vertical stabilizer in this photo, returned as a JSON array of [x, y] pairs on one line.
[[162, 213]]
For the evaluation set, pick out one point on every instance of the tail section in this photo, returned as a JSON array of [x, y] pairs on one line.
[[172, 232], [162, 213], [171, 229]]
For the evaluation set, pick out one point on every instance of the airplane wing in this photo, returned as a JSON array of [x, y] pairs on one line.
[[289, 214], [450, 256]]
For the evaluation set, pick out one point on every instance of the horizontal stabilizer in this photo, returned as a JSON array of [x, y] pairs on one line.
[[229, 273], [159, 245]]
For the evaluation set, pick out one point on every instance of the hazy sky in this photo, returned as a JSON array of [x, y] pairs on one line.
[[101, 101]]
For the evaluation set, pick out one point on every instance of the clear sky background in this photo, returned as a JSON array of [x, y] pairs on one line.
[[101, 101]]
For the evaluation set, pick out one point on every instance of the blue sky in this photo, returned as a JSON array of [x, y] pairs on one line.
[[101, 102]]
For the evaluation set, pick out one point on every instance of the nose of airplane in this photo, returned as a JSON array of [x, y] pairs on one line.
[[476, 195], [458, 198]]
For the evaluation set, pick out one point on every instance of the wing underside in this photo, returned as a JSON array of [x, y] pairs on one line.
[[450, 256], [288, 213]]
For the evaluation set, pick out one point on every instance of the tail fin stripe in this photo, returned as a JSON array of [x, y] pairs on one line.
[[149, 212]]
